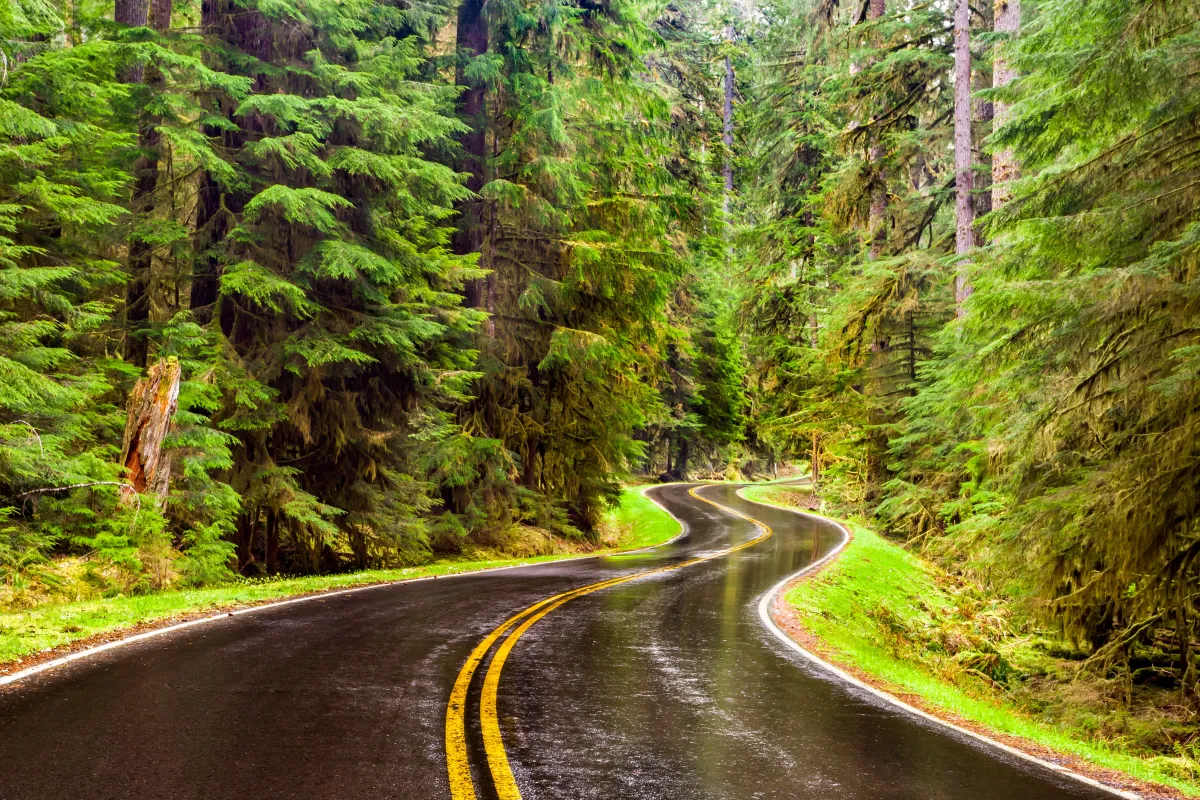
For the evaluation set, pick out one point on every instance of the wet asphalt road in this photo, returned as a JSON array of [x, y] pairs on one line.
[[664, 687]]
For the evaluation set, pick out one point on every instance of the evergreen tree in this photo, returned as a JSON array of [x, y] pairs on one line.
[[848, 284], [62, 176], [325, 279], [582, 224], [1079, 370], [1046, 445]]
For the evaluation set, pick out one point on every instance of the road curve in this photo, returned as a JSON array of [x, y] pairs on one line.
[[665, 686]]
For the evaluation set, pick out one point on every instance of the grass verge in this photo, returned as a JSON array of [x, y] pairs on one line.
[[862, 611], [639, 522], [52, 628]]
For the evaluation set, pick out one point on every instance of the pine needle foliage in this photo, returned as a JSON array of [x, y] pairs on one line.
[[61, 189], [583, 219], [1045, 442], [331, 293], [1082, 346]]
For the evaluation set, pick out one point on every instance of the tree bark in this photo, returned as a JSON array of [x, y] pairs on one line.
[[1004, 162], [132, 13], [816, 461], [877, 219], [984, 112], [152, 404], [727, 133], [71, 25], [271, 556], [156, 13], [472, 41], [964, 208]]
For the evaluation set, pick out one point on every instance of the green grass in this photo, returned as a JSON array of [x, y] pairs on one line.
[[638, 523], [841, 607]]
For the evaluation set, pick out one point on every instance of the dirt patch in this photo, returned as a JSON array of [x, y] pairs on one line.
[[785, 616]]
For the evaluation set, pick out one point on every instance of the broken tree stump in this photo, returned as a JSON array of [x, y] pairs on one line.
[[152, 404]]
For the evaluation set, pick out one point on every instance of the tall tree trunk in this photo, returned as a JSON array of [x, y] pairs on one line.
[[152, 404], [984, 112], [157, 13], [1004, 162], [964, 208], [815, 459], [132, 13], [912, 354], [472, 38], [727, 133], [877, 221]]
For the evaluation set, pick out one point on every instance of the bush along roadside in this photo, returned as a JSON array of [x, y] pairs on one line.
[[941, 643], [49, 629]]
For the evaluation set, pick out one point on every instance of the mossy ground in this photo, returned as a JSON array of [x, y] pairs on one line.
[[919, 631], [636, 523]]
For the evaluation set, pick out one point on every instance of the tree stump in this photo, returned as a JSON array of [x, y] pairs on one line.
[[152, 404]]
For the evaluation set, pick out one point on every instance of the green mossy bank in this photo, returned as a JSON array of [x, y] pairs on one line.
[[883, 611], [635, 523]]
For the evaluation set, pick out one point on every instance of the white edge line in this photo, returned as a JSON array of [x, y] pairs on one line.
[[8, 680], [764, 613]]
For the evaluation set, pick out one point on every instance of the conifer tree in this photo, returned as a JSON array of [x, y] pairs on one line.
[[580, 215], [1053, 441], [61, 181], [326, 283], [869, 92]]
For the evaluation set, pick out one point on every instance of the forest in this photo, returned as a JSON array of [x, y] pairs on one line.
[[310, 286]]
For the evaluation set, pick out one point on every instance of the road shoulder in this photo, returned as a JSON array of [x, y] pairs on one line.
[[821, 613]]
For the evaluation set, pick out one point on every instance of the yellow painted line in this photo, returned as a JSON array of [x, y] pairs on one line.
[[457, 763], [461, 786]]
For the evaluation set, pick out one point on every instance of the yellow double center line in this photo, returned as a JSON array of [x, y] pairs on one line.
[[458, 766]]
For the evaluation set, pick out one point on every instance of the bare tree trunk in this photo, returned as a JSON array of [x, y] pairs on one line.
[[271, 556], [156, 13], [877, 220], [71, 24], [984, 112], [472, 41], [152, 403], [134, 14], [964, 209], [1004, 162], [816, 461], [727, 134]]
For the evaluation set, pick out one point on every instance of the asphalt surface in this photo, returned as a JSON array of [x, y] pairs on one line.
[[663, 687]]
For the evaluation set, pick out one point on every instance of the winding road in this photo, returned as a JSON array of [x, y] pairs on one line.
[[660, 683]]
